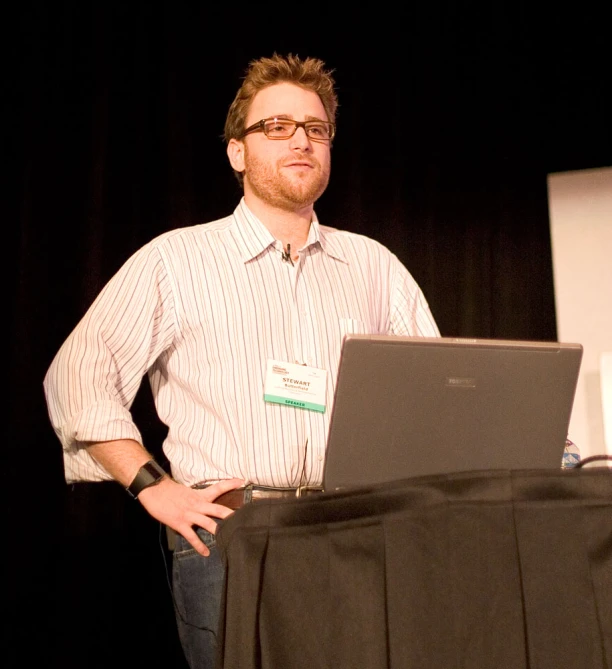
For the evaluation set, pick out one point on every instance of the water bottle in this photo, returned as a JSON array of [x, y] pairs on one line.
[[571, 454]]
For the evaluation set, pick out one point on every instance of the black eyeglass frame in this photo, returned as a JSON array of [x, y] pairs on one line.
[[260, 126]]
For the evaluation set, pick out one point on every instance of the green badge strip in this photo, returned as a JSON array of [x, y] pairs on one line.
[[295, 403]]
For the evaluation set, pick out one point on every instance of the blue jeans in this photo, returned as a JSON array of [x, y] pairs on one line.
[[197, 584]]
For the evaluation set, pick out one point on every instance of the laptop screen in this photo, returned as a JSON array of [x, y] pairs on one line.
[[415, 406]]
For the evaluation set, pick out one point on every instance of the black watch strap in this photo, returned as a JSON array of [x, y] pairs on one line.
[[149, 474]]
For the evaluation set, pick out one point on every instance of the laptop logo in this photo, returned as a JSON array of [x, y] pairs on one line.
[[460, 382]]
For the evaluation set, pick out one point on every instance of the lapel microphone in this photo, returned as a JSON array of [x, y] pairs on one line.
[[286, 254]]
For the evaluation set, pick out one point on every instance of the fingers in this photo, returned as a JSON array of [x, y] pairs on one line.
[[224, 486], [212, 492], [196, 542], [189, 509], [220, 511], [210, 510], [206, 522]]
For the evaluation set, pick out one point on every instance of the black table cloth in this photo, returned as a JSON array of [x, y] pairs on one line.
[[477, 570]]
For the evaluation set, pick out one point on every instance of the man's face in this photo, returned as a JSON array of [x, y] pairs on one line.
[[289, 174]]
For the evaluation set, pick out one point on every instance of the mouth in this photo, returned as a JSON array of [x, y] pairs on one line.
[[301, 164]]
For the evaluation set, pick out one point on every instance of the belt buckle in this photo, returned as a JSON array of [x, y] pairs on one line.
[[301, 490]]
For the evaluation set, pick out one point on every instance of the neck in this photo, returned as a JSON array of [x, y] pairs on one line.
[[288, 226]]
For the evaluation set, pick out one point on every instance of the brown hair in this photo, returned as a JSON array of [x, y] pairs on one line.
[[309, 73]]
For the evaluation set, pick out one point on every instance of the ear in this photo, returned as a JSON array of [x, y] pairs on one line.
[[235, 153]]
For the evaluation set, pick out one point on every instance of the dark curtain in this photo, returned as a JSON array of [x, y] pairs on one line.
[[450, 119]]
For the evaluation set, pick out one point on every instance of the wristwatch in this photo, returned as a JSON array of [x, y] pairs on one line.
[[148, 475]]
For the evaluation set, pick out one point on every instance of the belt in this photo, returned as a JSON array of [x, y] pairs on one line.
[[235, 499]]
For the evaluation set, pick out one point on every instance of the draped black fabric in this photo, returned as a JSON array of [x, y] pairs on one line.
[[478, 570]]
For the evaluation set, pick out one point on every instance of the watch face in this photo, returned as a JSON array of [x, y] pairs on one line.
[[149, 474], [153, 470]]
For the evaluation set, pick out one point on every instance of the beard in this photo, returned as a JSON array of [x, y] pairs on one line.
[[288, 192]]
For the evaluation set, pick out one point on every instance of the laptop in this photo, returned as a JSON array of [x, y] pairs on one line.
[[418, 406]]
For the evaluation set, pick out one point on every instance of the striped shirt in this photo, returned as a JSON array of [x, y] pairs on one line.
[[201, 310]]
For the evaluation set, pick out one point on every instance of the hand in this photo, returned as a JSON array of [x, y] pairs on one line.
[[183, 508]]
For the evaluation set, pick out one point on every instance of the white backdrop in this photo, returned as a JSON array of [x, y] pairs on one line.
[[580, 206]]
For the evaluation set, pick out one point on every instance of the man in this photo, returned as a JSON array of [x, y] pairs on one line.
[[210, 312]]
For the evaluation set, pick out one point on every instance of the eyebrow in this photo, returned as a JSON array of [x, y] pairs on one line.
[[290, 118]]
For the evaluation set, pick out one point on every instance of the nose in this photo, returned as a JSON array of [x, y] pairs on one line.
[[300, 140]]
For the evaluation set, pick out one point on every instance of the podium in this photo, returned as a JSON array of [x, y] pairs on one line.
[[476, 570]]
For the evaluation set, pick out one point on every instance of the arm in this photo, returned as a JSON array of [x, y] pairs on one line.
[[92, 382], [410, 312]]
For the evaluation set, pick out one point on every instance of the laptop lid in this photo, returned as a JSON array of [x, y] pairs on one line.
[[416, 406]]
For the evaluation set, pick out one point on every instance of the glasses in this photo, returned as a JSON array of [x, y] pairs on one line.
[[284, 128]]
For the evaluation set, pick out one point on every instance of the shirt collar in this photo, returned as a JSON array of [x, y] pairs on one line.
[[253, 237], [328, 240]]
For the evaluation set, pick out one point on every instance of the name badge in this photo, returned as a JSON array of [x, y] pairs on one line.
[[295, 385]]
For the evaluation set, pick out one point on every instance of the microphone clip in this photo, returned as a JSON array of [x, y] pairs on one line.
[[286, 254]]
